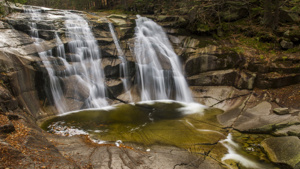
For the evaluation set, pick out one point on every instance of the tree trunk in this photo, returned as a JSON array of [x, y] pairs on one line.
[[276, 15], [267, 20], [271, 13]]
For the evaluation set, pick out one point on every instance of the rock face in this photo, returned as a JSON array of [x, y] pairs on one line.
[[218, 78], [283, 150]]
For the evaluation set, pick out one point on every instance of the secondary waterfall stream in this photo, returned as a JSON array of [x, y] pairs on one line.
[[124, 63], [159, 74]]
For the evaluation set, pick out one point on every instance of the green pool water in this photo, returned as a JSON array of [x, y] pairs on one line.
[[163, 123]]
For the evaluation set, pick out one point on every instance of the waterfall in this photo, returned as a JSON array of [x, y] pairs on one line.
[[46, 57], [124, 64], [80, 78], [83, 46], [76, 78], [159, 72]]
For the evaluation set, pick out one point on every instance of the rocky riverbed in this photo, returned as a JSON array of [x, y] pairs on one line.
[[257, 97]]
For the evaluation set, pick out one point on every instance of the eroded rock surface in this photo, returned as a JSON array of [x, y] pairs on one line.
[[85, 153]]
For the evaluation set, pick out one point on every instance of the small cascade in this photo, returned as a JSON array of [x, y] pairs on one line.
[[159, 74], [124, 64], [83, 71]]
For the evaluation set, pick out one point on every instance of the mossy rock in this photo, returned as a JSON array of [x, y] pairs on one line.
[[283, 150], [288, 17], [204, 28]]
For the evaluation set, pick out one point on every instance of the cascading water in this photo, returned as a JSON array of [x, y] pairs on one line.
[[124, 64], [84, 68], [46, 57], [84, 47], [159, 74]]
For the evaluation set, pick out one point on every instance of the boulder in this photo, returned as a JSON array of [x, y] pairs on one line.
[[245, 80], [75, 88], [286, 44], [21, 25], [288, 17], [115, 87], [293, 130], [73, 104], [259, 119], [4, 94], [230, 77], [47, 35], [293, 34], [215, 78], [276, 80], [4, 25], [281, 111], [120, 22], [207, 62], [283, 150], [103, 26]]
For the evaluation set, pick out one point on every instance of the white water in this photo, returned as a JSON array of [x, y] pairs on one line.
[[46, 57], [124, 64], [159, 74], [85, 48], [233, 154], [82, 46]]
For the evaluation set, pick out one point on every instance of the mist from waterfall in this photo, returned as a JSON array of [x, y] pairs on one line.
[[84, 66], [124, 63], [159, 72]]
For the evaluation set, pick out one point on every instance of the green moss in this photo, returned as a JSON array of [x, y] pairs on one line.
[[250, 144], [238, 50], [257, 44], [292, 50], [203, 27]]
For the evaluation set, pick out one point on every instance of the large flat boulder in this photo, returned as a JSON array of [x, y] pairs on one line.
[[283, 150], [260, 119]]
